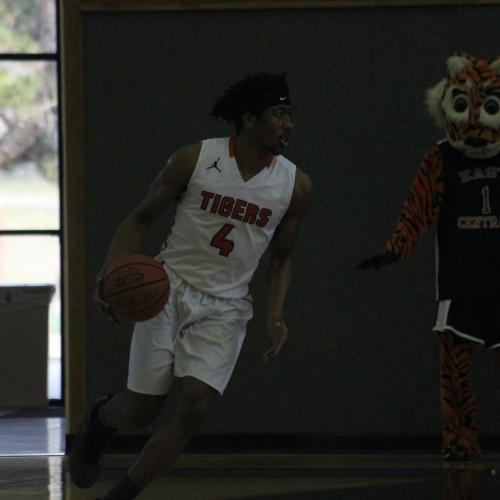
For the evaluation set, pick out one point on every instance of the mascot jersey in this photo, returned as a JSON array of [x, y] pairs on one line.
[[463, 196], [468, 230], [458, 184], [223, 224]]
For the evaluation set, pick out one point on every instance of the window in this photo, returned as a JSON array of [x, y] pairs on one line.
[[30, 193]]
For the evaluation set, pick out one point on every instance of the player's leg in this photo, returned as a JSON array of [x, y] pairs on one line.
[[164, 446], [206, 352], [206, 349], [149, 379], [191, 407], [458, 400], [127, 410]]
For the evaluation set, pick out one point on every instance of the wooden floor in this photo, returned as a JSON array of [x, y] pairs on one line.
[[271, 476]]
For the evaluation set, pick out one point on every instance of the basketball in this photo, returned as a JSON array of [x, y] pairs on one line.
[[136, 287]]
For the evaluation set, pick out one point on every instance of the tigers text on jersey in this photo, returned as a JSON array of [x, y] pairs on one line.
[[224, 224], [468, 232]]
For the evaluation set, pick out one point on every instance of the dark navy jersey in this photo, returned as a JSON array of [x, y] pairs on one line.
[[468, 229]]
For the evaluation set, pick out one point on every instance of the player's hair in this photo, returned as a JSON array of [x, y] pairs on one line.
[[253, 94]]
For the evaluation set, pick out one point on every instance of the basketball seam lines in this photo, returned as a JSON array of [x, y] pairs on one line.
[[159, 266], [134, 287], [142, 310]]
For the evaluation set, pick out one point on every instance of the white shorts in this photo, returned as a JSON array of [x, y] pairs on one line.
[[196, 334]]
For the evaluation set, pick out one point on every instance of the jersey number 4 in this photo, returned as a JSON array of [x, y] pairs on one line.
[[219, 241]]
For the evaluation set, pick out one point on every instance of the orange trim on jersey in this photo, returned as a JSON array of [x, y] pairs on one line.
[[232, 147], [271, 163], [232, 152]]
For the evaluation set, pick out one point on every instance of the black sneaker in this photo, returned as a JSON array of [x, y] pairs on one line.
[[88, 447]]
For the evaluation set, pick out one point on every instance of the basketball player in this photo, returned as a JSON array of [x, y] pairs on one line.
[[235, 197]]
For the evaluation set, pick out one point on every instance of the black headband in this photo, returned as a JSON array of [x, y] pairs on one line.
[[255, 103], [253, 94]]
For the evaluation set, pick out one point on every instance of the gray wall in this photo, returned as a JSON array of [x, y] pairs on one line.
[[361, 358]]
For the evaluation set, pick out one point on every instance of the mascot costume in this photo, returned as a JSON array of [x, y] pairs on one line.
[[458, 187]]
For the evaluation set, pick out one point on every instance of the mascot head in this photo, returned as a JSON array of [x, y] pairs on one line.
[[467, 105]]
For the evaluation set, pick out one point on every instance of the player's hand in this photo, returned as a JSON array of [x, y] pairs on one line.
[[377, 261], [278, 331], [101, 304]]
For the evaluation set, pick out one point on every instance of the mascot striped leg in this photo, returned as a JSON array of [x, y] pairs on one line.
[[458, 401]]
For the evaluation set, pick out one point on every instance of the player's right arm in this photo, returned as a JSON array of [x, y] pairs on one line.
[[165, 188], [420, 209]]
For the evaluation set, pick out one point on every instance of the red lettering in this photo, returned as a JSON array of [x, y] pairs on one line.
[[215, 204], [264, 215], [226, 206], [206, 198], [251, 214], [220, 241], [238, 209]]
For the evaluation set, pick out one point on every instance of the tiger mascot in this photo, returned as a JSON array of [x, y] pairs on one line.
[[457, 186]]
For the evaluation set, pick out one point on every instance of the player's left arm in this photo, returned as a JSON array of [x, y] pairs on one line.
[[280, 263]]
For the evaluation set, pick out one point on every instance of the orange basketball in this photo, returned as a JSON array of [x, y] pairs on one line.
[[136, 287]]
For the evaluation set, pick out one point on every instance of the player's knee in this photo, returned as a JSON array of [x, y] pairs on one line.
[[190, 413], [140, 417], [142, 409]]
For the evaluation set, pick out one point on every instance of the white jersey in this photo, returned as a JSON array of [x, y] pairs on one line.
[[224, 224]]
